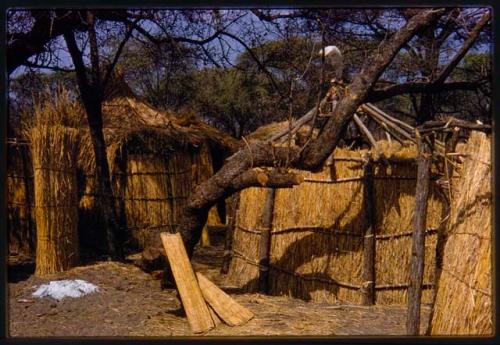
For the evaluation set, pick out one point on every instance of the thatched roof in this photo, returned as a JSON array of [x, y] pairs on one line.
[[129, 120], [128, 115]]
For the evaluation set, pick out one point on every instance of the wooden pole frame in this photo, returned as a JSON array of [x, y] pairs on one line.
[[368, 286], [418, 239], [265, 240]]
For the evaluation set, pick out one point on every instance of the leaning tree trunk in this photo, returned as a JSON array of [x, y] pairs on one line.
[[233, 176]]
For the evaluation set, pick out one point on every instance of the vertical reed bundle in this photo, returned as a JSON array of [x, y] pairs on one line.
[[463, 302], [243, 270], [180, 184], [54, 144]]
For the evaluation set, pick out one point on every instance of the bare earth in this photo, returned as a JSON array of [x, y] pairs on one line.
[[131, 303]]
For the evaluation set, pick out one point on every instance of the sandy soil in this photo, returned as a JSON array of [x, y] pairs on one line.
[[131, 303]]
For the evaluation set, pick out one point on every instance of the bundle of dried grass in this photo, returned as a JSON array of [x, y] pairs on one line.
[[148, 202], [318, 228], [54, 144], [244, 270], [464, 295]]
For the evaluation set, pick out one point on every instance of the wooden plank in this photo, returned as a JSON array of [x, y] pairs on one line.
[[368, 287], [215, 318], [196, 309], [230, 311], [418, 239]]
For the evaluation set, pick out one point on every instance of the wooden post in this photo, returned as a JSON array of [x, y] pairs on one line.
[[196, 309], [265, 240], [368, 287], [418, 238], [232, 209]]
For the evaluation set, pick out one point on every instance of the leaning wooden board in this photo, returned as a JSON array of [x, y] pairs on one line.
[[196, 309], [226, 308]]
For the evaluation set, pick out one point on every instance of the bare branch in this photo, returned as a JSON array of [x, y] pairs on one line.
[[53, 68], [441, 78], [378, 95], [118, 53]]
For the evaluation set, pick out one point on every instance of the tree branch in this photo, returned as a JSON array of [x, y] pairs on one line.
[[46, 27], [53, 68], [94, 54], [378, 95], [254, 57], [437, 85], [261, 178], [23, 45], [441, 78], [76, 56], [118, 53], [270, 18]]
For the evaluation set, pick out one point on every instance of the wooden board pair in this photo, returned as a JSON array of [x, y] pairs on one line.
[[196, 291]]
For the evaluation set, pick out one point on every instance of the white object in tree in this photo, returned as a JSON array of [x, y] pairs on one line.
[[334, 58]]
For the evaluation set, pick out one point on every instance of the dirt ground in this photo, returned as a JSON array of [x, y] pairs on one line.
[[130, 302]]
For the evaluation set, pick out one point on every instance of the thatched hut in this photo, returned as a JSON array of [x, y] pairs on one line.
[[464, 300], [318, 229], [156, 158]]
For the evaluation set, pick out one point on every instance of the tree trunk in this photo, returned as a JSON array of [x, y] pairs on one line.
[[102, 175]]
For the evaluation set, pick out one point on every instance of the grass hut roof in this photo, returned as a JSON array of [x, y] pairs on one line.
[[129, 119]]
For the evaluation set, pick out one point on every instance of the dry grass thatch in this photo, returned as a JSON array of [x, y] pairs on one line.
[[54, 146], [20, 200], [317, 233], [464, 295]]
